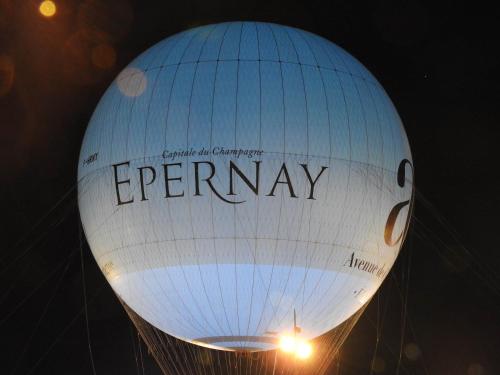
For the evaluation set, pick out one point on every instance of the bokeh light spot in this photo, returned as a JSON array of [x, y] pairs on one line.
[[103, 56], [412, 351], [77, 59], [132, 82], [47, 8]]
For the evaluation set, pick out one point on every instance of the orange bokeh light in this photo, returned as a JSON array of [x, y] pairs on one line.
[[47, 8]]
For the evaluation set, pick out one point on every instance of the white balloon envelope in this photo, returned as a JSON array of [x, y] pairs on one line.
[[237, 174]]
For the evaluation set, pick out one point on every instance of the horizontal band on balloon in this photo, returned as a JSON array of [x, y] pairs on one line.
[[250, 251], [346, 193], [101, 162], [130, 73]]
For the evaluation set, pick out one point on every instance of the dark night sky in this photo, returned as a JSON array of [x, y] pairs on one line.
[[439, 62]]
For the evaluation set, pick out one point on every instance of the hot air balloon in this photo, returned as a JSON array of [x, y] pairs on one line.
[[244, 181]]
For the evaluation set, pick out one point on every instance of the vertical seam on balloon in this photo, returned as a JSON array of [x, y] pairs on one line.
[[363, 112], [152, 95], [189, 202], [161, 287], [303, 209], [128, 128], [127, 143], [234, 207], [187, 176], [350, 150], [211, 158], [150, 216], [276, 308], [329, 125], [381, 150], [279, 218], [107, 235], [111, 157], [387, 103], [309, 259], [348, 176], [257, 200], [134, 100], [115, 120], [99, 182], [300, 222], [281, 194], [391, 127], [168, 205], [329, 158]]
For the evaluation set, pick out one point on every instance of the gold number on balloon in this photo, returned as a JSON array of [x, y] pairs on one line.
[[393, 215]]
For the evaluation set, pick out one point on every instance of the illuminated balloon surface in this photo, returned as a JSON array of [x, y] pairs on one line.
[[238, 172]]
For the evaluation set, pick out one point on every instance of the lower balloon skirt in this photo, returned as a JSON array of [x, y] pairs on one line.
[[242, 306]]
